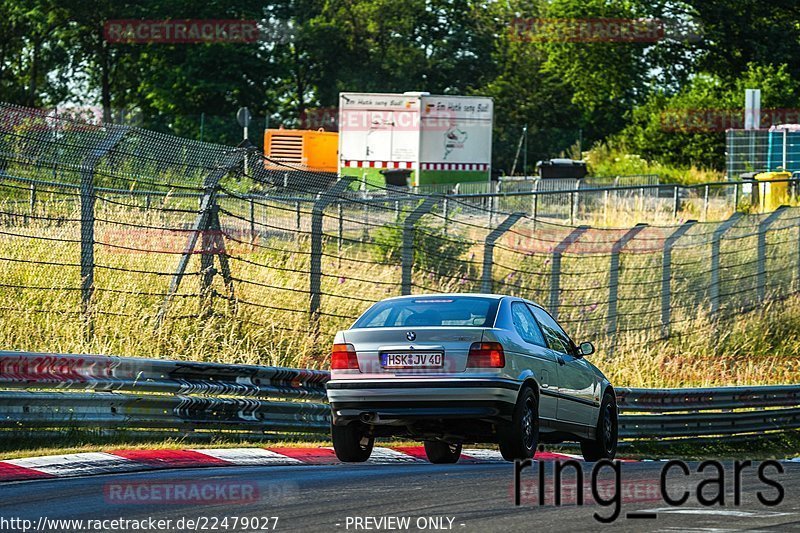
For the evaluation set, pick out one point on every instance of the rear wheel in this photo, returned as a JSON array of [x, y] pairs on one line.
[[605, 444], [352, 443], [440, 452], [519, 439]]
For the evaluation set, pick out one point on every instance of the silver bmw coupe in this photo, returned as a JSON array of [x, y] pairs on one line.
[[450, 369]]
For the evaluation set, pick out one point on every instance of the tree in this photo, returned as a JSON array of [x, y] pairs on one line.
[[526, 94], [688, 128]]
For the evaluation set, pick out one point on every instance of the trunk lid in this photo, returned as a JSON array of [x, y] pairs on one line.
[[420, 341]]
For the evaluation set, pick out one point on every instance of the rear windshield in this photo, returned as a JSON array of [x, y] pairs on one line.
[[430, 311]]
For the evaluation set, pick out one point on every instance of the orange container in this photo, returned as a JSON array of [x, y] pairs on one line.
[[314, 150]]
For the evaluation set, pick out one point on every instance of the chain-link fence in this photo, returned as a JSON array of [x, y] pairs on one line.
[[762, 150], [120, 240]]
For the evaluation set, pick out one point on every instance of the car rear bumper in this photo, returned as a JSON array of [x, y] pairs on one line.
[[399, 401]]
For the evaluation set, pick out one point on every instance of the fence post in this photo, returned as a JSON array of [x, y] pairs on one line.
[[666, 275], [33, 199], [297, 207], [252, 220], [675, 202], [324, 199], [202, 224], [761, 276], [573, 201], [87, 193], [613, 278], [365, 229], [736, 196], [341, 226], [555, 267], [407, 252], [446, 209], [207, 249], [715, 245], [488, 249], [705, 204]]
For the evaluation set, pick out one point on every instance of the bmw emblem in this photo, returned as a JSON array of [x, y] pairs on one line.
[[410, 335]]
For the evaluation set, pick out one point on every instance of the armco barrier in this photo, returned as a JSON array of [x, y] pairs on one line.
[[89, 391]]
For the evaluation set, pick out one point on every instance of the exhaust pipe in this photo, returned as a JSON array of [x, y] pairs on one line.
[[368, 418]]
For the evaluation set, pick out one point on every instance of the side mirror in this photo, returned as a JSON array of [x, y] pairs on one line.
[[586, 348]]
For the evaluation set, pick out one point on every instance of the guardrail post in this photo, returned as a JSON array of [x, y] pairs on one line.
[[324, 199], [488, 249], [715, 245], [555, 267], [87, 193], [407, 252], [666, 276], [761, 275], [613, 281]]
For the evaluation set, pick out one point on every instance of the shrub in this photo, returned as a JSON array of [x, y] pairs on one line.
[[434, 251]]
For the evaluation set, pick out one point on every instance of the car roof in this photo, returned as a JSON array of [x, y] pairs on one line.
[[449, 295], [473, 294]]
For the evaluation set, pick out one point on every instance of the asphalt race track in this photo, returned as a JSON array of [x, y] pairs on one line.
[[461, 497]]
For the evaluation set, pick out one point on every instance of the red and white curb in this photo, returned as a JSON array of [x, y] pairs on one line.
[[121, 461]]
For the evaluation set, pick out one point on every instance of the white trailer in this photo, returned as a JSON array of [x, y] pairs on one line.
[[440, 139]]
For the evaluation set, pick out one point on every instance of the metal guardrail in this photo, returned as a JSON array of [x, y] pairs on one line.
[[163, 394], [704, 412], [90, 391]]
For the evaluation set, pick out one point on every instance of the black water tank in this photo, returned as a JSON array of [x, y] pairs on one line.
[[561, 168], [396, 177]]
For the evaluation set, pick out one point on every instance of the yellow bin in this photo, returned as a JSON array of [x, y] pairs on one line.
[[772, 194]]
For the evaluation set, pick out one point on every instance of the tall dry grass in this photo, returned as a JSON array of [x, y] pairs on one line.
[[40, 300]]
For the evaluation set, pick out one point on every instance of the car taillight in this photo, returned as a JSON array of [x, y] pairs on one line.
[[343, 357], [486, 355]]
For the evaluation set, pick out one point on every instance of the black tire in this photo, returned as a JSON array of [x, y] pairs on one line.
[[440, 452], [352, 443], [605, 444], [519, 439]]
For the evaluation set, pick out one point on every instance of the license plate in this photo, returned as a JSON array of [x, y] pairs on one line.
[[412, 360]]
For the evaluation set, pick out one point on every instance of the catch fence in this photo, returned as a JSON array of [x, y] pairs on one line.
[[118, 239]]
